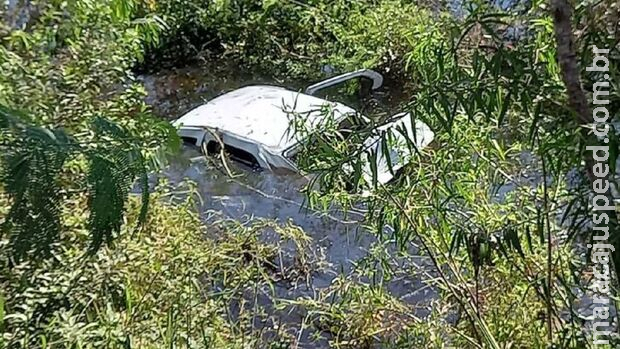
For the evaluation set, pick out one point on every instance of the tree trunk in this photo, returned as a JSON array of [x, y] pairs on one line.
[[562, 12]]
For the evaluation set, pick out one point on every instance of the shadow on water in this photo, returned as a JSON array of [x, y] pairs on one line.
[[174, 92]]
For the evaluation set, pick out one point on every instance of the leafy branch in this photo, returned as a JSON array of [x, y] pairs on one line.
[[34, 159]]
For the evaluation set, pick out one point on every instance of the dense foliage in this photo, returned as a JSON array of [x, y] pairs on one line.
[[33, 166], [497, 206], [500, 202], [81, 123], [300, 39]]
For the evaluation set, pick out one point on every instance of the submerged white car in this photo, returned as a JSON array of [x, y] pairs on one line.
[[254, 124]]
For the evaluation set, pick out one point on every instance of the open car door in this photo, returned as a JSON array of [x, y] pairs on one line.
[[392, 146]]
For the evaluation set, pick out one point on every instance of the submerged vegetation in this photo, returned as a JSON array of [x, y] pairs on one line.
[[92, 254]]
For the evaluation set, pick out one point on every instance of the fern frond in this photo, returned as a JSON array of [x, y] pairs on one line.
[[31, 166], [109, 179], [32, 161], [124, 163]]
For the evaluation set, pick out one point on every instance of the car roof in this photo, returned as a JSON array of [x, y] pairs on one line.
[[261, 114]]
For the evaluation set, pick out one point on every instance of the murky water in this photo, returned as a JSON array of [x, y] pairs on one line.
[[265, 194], [172, 93], [338, 239]]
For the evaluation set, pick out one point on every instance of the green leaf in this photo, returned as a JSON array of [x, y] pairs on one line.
[[528, 237], [2, 312], [613, 148], [372, 159], [500, 151], [505, 103]]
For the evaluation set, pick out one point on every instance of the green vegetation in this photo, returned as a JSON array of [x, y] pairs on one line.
[[297, 39], [164, 285], [86, 264]]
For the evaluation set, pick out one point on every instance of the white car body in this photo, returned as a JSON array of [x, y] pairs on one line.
[[257, 120]]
